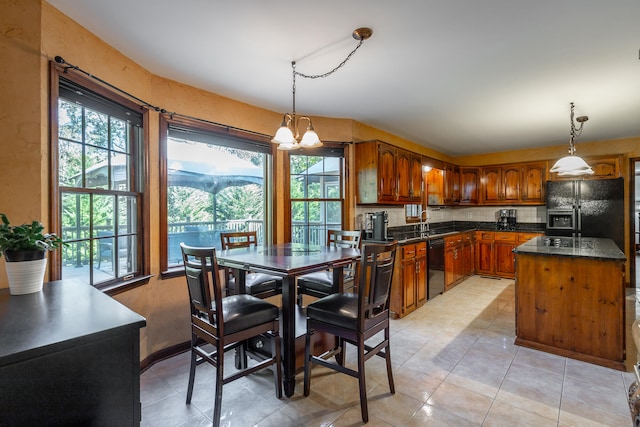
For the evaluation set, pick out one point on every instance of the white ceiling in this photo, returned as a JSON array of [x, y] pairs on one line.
[[458, 76]]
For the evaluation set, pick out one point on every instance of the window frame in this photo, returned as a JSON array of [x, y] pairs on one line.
[[320, 151], [140, 153], [227, 132]]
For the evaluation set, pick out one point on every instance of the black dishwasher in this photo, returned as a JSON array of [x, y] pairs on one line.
[[435, 281]]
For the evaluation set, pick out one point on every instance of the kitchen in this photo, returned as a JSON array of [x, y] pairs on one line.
[[162, 302]]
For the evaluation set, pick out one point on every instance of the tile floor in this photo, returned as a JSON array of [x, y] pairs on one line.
[[454, 362]]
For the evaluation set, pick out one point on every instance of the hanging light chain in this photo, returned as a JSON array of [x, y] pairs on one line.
[[328, 73]]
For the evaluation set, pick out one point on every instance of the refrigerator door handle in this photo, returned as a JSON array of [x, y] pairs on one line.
[[579, 220]]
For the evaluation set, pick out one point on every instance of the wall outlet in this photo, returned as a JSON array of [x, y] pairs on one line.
[[469, 215]]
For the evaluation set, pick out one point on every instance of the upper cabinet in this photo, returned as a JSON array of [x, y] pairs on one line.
[[534, 176], [387, 174], [469, 185], [603, 168], [514, 184]]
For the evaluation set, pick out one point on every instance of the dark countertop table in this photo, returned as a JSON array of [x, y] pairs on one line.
[[579, 247]]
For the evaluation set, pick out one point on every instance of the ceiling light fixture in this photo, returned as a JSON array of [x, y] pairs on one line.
[[573, 165], [288, 136]]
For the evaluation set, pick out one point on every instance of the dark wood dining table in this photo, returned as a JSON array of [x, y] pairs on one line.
[[288, 260]]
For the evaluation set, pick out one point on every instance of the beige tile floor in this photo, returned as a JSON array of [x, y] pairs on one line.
[[454, 363]]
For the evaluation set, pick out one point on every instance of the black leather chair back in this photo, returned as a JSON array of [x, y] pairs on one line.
[[375, 278]]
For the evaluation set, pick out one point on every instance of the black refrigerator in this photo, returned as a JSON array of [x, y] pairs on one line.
[[586, 208]]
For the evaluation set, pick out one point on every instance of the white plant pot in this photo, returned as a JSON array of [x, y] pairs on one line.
[[26, 277]]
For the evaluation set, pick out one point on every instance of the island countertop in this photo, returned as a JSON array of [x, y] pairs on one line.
[[579, 247]]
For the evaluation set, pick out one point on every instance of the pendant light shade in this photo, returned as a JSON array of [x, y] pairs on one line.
[[573, 165]]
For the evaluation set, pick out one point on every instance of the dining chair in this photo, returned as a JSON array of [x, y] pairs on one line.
[[221, 323], [320, 283], [260, 285], [355, 318]]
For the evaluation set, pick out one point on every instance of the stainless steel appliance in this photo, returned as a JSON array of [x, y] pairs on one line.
[[506, 219], [587, 208], [435, 257], [379, 222]]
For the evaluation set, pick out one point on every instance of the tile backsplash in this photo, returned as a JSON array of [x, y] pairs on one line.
[[526, 214]]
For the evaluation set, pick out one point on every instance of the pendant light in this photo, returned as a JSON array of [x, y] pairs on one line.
[[288, 135], [573, 165]]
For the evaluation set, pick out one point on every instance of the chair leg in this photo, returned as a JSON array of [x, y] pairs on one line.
[[192, 370], [307, 362], [362, 381], [277, 372], [217, 405], [387, 356], [341, 355], [299, 297]]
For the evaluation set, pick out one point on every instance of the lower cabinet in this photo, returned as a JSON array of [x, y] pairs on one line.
[[494, 252], [458, 258], [409, 288]]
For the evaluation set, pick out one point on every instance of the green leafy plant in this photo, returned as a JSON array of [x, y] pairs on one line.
[[26, 237]]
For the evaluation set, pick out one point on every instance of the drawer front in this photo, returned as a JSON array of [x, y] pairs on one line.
[[484, 235], [506, 237], [408, 251], [421, 249], [453, 240], [525, 237]]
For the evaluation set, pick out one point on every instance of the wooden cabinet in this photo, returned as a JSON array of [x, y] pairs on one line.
[[484, 252], [603, 168], [451, 184], [458, 258], [387, 174], [501, 184], [572, 307], [469, 189], [534, 177], [503, 246], [494, 252], [409, 289], [435, 187]]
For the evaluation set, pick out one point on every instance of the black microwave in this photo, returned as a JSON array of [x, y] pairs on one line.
[[561, 219]]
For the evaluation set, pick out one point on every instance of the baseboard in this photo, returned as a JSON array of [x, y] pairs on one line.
[[165, 353]]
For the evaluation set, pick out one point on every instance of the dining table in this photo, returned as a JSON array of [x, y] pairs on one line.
[[288, 260]]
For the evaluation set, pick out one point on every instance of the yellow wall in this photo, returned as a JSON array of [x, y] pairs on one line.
[[33, 33]]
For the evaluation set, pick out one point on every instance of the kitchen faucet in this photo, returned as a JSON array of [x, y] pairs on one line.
[[424, 225]]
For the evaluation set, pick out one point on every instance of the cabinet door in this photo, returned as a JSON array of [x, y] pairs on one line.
[[449, 267], [505, 259], [409, 279], [452, 184], [533, 182], [469, 178], [511, 184], [435, 187], [484, 256], [403, 176], [421, 279], [491, 184], [415, 190], [386, 173]]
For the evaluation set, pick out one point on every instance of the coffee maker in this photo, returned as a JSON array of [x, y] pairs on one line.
[[378, 222], [506, 219]]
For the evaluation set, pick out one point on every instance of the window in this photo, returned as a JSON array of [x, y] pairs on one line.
[[316, 195], [215, 181], [100, 187]]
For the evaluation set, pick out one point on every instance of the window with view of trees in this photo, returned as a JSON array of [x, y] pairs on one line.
[[316, 195], [214, 183], [99, 186]]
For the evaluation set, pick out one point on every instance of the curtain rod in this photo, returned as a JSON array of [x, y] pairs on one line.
[[68, 66]]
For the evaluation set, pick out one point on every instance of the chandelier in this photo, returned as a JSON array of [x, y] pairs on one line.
[[288, 135], [573, 165]]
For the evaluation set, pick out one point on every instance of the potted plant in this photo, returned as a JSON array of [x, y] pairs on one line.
[[24, 248]]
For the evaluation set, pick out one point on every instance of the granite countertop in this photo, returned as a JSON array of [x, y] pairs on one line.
[[580, 247]]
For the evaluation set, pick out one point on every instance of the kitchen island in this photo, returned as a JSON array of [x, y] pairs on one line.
[[570, 298]]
